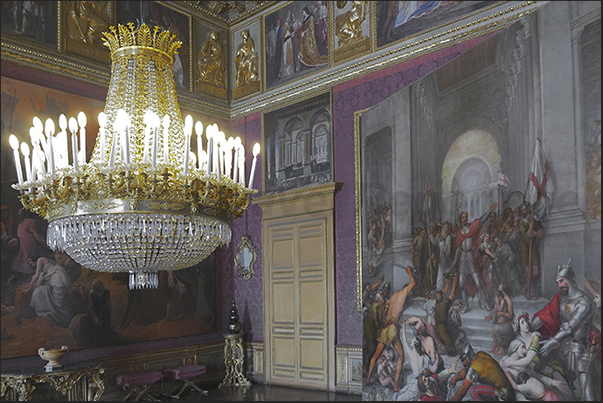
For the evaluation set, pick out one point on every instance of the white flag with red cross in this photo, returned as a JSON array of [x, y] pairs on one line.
[[540, 186]]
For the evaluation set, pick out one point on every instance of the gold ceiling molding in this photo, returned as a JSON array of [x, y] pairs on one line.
[[54, 62], [216, 9], [57, 64]]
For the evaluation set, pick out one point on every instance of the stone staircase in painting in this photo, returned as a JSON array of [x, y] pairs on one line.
[[478, 329]]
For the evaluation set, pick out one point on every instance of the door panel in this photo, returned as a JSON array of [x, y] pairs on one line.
[[299, 296], [298, 320]]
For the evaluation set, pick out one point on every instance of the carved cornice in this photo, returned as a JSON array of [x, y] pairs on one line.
[[387, 58], [218, 9], [53, 61]]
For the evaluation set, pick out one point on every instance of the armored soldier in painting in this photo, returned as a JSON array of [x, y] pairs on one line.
[[482, 378], [566, 321]]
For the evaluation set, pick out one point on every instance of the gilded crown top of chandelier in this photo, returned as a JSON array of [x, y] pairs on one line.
[[125, 40]]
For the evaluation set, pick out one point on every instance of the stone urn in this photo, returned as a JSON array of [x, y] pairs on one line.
[[52, 356]]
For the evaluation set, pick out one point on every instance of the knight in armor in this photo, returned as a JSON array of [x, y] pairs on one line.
[[565, 323], [466, 256]]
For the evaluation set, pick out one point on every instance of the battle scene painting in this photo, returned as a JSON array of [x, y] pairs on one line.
[[474, 284]]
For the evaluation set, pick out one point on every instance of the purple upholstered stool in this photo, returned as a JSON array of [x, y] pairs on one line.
[[185, 373], [139, 382]]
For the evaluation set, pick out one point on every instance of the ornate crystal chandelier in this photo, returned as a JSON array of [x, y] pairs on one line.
[[144, 202]]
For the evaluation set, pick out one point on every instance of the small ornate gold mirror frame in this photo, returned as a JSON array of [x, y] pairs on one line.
[[245, 257]]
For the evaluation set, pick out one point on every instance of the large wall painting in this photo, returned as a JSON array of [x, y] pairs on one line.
[[100, 310], [397, 20], [85, 22], [297, 41], [468, 277], [298, 144], [34, 21]]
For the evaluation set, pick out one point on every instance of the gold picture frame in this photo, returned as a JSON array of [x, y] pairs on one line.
[[82, 24], [246, 256], [248, 82], [351, 29]]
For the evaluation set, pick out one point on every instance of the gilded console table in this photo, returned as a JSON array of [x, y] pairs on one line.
[[79, 382], [233, 359]]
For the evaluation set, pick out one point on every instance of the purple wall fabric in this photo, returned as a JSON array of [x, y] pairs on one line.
[[349, 97], [248, 294]]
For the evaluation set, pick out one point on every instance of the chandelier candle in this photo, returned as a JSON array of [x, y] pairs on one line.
[[25, 152], [37, 155], [81, 121], [38, 129], [188, 131], [14, 143], [61, 148], [199, 133], [128, 209], [209, 133], [256, 151], [166, 138], [49, 129], [102, 122], [73, 130]]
